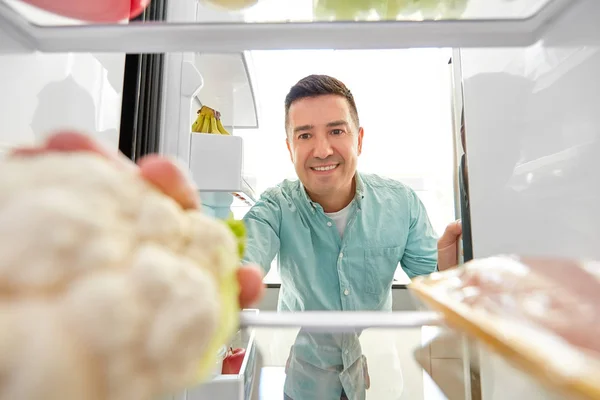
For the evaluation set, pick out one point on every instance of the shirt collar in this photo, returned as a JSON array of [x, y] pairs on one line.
[[359, 196], [360, 189]]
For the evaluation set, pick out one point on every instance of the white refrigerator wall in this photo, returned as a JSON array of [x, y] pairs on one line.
[[42, 93], [532, 133]]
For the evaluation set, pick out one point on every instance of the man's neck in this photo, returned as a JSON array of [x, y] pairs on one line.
[[337, 201]]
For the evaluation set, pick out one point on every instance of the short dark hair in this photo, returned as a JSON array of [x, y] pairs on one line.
[[319, 85]]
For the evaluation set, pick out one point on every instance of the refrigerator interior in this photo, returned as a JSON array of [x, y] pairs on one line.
[[528, 88]]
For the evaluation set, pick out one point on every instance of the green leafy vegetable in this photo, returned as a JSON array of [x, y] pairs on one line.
[[348, 10], [239, 230]]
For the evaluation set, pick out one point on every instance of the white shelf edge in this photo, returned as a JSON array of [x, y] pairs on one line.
[[238, 37], [342, 321], [245, 193]]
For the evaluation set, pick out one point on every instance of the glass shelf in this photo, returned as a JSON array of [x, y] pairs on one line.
[[291, 24], [393, 355], [277, 11]]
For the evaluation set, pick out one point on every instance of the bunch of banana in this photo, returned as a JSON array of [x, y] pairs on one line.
[[209, 121]]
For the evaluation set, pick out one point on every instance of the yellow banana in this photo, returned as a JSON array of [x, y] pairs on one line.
[[206, 125], [221, 128], [209, 121], [197, 125], [213, 126], [206, 110]]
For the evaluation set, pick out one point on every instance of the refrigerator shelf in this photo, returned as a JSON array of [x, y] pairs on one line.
[[342, 321], [19, 32]]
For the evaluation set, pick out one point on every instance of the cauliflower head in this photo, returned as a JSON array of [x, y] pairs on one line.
[[109, 289]]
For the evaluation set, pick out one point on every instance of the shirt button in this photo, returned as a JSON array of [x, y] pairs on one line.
[[346, 352], [329, 223], [346, 292], [341, 255]]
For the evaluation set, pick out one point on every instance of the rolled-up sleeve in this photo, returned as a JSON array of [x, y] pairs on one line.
[[420, 254], [262, 227]]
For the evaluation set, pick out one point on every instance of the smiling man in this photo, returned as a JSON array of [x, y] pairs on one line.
[[340, 236]]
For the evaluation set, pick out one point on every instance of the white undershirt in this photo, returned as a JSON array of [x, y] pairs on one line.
[[340, 218]]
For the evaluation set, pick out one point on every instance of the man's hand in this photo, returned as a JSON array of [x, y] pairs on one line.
[[162, 173], [448, 246]]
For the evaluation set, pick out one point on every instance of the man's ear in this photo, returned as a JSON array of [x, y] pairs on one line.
[[361, 132], [289, 147]]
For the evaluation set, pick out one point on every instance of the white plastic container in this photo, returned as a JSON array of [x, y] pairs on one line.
[[223, 156]]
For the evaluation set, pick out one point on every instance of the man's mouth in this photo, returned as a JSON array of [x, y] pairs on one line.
[[323, 168]]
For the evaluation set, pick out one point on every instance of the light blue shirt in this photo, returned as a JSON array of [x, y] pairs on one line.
[[320, 270]]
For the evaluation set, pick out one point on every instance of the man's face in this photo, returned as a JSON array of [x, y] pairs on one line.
[[324, 144]]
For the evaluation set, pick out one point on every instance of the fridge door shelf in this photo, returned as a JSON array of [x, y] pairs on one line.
[[521, 25], [231, 387], [216, 163]]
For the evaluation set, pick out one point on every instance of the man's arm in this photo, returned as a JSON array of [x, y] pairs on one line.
[[262, 230], [420, 253]]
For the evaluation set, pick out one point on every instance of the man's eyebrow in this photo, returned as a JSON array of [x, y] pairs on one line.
[[332, 124], [303, 128], [340, 122]]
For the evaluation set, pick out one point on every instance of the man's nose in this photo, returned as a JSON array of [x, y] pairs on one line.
[[322, 149]]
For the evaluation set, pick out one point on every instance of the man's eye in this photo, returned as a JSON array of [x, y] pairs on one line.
[[337, 131], [304, 136]]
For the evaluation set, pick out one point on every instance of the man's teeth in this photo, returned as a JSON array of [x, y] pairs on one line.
[[328, 168]]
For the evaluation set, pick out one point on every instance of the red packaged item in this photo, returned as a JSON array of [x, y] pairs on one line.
[[97, 11]]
